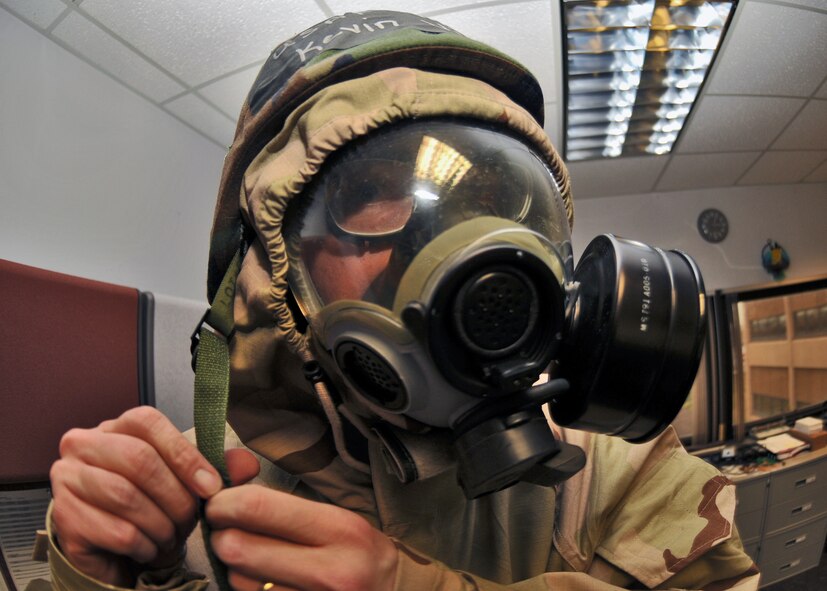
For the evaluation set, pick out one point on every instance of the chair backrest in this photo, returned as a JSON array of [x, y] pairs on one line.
[[72, 354], [75, 352], [173, 322], [69, 357]]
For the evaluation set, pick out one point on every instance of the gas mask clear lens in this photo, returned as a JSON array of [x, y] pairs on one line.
[[433, 262], [380, 200]]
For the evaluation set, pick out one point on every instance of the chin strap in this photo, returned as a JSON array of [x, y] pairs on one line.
[[210, 350]]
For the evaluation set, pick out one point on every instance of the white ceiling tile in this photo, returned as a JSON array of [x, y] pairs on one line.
[[198, 43], [523, 31], [90, 41], [41, 13], [614, 176], [782, 167], [808, 130], [203, 117], [819, 175], [228, 94], [760, 58], [822, 92], [818, 4], [698, 171], [732, 123], [554, 125], [413, 6]]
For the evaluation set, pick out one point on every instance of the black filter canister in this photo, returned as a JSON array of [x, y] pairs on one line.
[[634, 341]]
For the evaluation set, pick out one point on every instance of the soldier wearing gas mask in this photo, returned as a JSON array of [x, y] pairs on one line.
[[395, 319]]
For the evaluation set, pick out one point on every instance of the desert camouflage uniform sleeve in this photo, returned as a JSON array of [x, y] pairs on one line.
[[66, 577], [713, 572], [653, 511]]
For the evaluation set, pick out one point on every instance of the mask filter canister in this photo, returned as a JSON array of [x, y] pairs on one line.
[[634, 342]]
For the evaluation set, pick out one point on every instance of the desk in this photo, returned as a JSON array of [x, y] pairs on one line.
[[782, 515]]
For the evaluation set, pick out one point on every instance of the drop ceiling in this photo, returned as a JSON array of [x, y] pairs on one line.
[[761, 117]]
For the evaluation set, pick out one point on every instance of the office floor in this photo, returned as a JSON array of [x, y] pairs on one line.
[[814, 579]]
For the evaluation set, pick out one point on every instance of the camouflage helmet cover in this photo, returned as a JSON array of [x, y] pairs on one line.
[[338, 49]]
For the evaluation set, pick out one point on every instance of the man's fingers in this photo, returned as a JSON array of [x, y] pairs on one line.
[[85, 530], [137, 461], [268, 535], [242, 465], [124, 494], [288, 566], [273, 513], [241, 582], [115, 494], [183, 458]]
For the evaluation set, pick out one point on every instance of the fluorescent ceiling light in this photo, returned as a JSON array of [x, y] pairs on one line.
[[633, 71]]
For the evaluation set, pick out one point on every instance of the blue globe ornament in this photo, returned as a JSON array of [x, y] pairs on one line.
[[775, 259]]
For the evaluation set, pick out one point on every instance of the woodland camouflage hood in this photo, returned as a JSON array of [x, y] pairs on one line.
[[325, 87]]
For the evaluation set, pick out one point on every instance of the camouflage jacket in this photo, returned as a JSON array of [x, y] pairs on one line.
[[638, 516]]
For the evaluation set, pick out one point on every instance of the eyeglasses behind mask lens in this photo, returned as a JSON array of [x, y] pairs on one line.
[[369, 198], [378, 198]]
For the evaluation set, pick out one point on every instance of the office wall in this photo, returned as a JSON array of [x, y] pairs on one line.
[[94, 180], [793, 215]]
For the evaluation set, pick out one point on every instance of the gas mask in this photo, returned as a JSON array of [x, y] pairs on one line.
[[432, 259]]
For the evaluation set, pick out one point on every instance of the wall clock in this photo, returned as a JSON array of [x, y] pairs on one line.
[[713, 225]]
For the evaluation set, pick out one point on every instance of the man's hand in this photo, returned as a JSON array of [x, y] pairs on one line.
[[264, 536], [125, 494]]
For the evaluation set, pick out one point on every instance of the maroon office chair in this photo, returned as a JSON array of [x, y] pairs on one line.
[[73, 352]]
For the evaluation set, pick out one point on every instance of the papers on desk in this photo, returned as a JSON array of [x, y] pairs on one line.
[[783, 446], [809, 425]]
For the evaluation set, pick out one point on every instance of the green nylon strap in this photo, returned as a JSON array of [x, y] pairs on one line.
[[212, 384]]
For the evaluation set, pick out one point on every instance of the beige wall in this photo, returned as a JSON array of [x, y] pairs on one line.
[[793, 215]]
